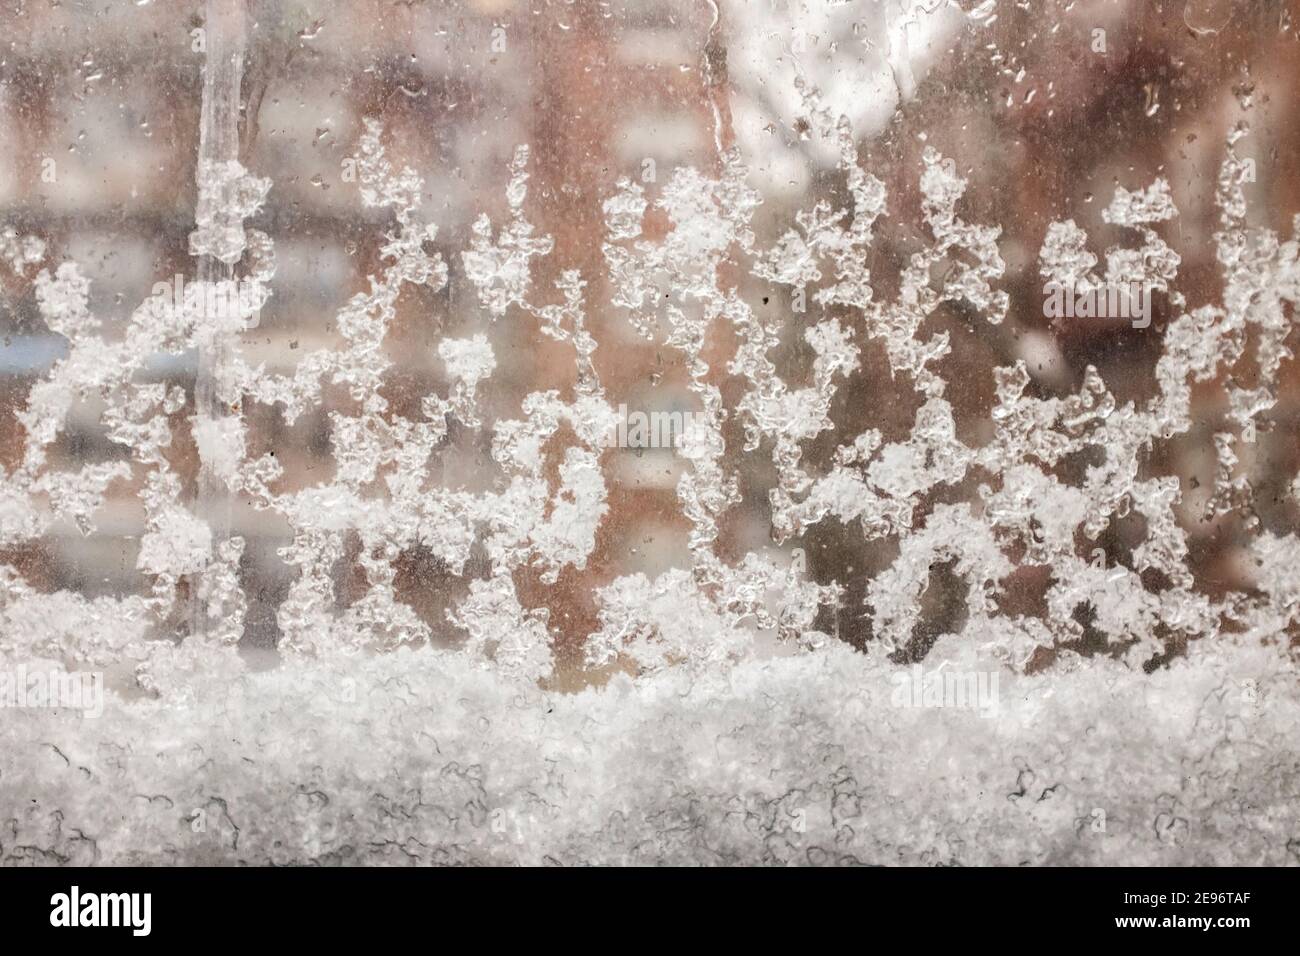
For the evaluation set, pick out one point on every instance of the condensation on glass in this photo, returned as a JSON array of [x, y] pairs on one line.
[[579, 343]]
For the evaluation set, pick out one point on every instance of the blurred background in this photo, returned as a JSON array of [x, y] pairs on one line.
[[1043, 125]]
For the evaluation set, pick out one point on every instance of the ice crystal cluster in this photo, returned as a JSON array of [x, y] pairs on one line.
[[734, 727]]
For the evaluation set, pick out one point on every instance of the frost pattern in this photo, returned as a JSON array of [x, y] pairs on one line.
[[991, 510], [382, 489]]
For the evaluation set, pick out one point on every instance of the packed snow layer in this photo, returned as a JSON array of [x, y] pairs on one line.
[[427, 757]]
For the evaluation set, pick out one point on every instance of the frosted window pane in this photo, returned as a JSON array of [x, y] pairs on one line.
[[897, 396]]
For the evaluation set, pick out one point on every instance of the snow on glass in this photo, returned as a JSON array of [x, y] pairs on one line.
[[789, 751]]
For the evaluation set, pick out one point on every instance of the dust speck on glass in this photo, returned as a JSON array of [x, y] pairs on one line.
[[783, 415]]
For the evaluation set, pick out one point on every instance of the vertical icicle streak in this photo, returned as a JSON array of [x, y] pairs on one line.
[[218, 145]]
